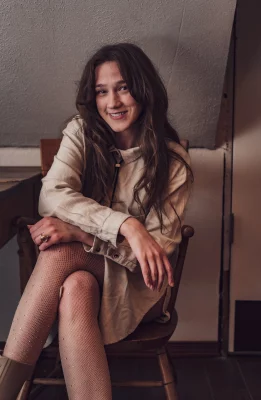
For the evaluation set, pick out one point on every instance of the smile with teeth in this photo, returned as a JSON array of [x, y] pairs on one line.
[[118, 115]]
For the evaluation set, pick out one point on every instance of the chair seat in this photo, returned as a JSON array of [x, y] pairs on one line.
[[146, 336]]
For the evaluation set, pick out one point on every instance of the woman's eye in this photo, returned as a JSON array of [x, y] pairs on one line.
[[124, 87], [100, 92]]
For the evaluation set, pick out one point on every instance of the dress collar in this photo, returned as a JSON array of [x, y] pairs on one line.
[[128, 155]]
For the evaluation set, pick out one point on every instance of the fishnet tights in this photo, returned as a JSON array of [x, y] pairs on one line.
[[79, 274], [82, 352]]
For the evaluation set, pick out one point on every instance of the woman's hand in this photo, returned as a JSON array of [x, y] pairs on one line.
[[58, 231], [153, 260]]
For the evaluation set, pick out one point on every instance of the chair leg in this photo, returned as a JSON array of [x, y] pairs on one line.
[[167, 375], [26, 389], [58, 359], [172, 366], [53, 374]]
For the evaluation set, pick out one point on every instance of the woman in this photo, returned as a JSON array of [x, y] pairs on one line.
[[112, 205]]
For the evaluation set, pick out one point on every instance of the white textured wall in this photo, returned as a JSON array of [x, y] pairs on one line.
[[44, 45]]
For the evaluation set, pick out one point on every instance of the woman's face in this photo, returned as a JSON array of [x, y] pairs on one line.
[[114, 102]]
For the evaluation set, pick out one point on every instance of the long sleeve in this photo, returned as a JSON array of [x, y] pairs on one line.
[[175, 203], [61, 195]]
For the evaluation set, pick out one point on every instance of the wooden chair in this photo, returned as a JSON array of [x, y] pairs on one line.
[[147, 336]]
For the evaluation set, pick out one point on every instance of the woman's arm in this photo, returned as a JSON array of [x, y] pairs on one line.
[[151, 256], [145, 243], [61, 195]]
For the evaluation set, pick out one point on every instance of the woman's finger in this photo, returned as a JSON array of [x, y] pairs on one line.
[[169, 270], [45, 245], [54, 239], [41, 229], [36, 235], [161, 273], [146, 273], [36, 226], [44, 223], [38, 239], [153, 272]]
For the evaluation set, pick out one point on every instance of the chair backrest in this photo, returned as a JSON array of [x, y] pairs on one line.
[[48, 148], [186, 233]]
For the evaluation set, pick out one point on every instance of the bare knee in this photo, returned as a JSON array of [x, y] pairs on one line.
[[79, 290]]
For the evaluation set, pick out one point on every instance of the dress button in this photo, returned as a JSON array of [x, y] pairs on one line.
[[115, 255], [98, 249]]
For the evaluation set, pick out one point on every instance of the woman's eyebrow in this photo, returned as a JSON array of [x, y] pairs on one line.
[[116, 83]]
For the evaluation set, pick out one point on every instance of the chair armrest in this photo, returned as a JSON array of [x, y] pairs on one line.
[[22, 222], [187, 231], [28, 251]]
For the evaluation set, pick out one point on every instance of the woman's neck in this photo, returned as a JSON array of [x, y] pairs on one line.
[[126, 140]]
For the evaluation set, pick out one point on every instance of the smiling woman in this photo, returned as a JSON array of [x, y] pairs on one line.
[[112, 206], [116, 105]]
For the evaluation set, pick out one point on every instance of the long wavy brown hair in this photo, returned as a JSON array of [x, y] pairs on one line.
[[147, 88]]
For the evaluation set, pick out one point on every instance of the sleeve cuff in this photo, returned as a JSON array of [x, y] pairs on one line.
[[112, 224], [122, 255], [98, 247]]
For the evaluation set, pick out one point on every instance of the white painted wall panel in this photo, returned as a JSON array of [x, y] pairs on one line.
[[198, 299]]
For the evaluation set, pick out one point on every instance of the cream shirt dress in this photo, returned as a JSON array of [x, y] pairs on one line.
[[125, 297]]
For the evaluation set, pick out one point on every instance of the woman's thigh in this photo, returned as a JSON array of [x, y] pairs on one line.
[[60, 260], [65, 259]]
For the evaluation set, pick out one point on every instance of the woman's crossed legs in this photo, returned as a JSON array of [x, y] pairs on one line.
[[81, 347], [68, 270]]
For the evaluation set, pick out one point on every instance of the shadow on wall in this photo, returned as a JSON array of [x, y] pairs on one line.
[[194, 79]]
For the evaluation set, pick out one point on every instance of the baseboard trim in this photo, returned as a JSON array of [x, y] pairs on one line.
[[193, 349], [176, 349]]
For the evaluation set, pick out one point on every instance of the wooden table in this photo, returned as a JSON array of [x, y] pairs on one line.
[[19, 193]]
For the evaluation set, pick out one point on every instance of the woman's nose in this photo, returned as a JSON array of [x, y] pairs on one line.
[[113, 100]]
